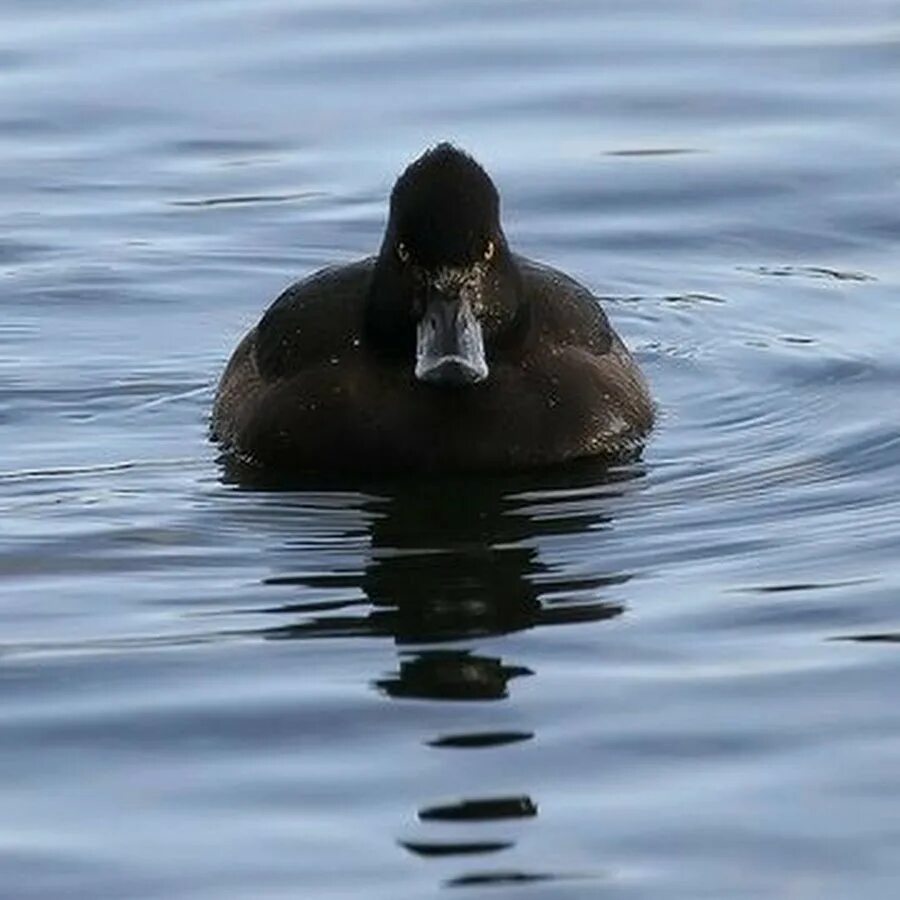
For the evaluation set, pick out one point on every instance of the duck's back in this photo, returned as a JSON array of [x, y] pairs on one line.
[[589, 371], [316, 322]]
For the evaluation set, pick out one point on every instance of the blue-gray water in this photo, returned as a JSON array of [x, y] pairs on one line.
[[676, 680]]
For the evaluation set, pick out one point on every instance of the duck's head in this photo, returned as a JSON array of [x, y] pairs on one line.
[[446, 291]]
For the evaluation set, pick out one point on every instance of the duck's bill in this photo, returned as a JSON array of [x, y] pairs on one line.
[[449, 344]]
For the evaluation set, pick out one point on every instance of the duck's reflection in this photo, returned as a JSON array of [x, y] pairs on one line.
[[452, 562]]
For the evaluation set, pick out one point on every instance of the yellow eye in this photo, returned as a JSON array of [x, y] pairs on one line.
[[402, 252], [489, 251]]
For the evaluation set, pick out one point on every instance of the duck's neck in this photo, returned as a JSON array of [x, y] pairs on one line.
[[389, 324]]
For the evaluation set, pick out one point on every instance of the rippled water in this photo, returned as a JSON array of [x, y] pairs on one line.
[[676, 679]]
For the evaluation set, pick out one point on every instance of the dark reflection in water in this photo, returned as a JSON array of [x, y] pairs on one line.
[[495, 879], [451, 675], [456, 848], [481, 740], [455, 559], [452, 561], [887, 638], [481, 810]]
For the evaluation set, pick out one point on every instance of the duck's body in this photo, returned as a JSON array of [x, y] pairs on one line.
[[338, 376]]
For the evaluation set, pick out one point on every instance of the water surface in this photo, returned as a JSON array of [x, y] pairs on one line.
[[673, 679]]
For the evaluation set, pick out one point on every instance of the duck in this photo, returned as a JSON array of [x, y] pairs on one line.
[[445, 351]]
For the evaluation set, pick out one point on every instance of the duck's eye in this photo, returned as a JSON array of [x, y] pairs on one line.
[[489, 251], [402, 252]]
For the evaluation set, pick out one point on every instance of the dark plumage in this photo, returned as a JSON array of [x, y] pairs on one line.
[[446, 351]]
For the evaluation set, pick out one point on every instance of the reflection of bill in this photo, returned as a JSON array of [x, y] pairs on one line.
[[451, 675]]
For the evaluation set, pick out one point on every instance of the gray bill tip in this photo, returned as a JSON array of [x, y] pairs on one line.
[[450, 345], [450, 370]]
